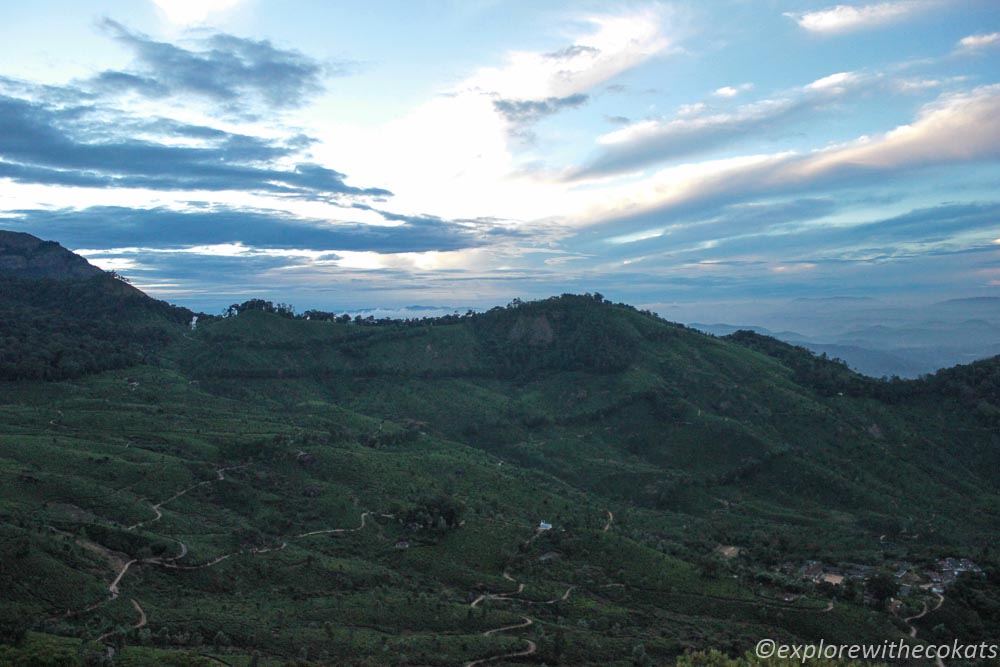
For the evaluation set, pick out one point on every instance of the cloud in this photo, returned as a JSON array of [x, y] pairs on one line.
[[530, 111], [694, 129], [618, 44], [814, 243], [457, 153], [227, 70], [946, 228], [978, 42], [956, 128], [220, 226], [193, 11], [846, 18], [686, 229], [733, 91], [86, 145], [533, 85], [573, 51]]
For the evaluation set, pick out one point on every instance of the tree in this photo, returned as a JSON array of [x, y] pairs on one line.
[[221, 640], [14, 625], [881, 587]]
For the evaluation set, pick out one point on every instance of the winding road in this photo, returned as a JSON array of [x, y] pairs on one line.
[[141, 623], [156, 508], [327, 531], [114, 588], [923, 612], [531, 649], [526, 620]]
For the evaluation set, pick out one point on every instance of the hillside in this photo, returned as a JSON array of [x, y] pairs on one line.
[[61, 317], [27, 256], [268, 488]]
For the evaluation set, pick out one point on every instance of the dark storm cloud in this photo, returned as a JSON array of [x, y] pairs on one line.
[[85, 145], [161, 228], [226, 69]]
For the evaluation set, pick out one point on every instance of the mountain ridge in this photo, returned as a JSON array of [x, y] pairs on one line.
[[26, 256], [335, 490]]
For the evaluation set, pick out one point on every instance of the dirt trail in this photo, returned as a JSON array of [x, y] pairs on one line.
[[113, 588], [169, 563], [364, 515], [156, 508], [527, 621], [142, 615], [183, 552], [500, 596], [564, 596], [254, 551], [166, 562], [122, 567], [173, 566], [141, 623], [530, 650], [114, 559], [913, 629], [611, 520], [923, 612]]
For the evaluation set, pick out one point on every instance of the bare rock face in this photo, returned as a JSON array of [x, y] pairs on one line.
[[26, 256]]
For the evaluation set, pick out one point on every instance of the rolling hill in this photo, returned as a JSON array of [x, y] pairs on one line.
[[568, 481]]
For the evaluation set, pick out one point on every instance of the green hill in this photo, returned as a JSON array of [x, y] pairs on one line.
[[267, 488]]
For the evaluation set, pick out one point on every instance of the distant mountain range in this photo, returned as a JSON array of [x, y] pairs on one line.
[[881, 340]]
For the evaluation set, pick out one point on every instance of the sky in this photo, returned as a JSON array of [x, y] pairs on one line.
[[461, 153]]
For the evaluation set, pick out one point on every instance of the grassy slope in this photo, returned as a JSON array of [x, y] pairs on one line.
[[559, 411]]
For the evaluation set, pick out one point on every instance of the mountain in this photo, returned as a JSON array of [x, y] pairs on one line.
[[870, 362], [565, 481], [61, 317], [883, 340], [720, 329], [27, 256], [991, 302]]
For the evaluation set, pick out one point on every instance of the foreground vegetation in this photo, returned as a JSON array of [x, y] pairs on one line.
[[269, 489]]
